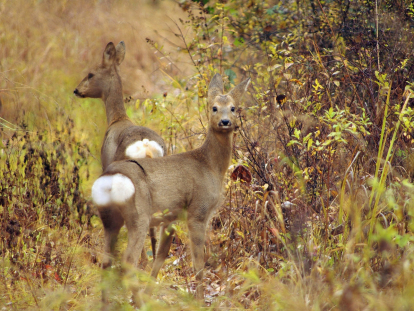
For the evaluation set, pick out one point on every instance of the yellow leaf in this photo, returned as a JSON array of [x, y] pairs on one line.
[[278, 81], [296, 81], [240, 233]]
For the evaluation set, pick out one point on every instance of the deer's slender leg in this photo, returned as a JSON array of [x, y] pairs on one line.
[[137, 225], [137, 230], [111, 236], [144, 259], [153, 242], [166, 237], [197, 230], [112, 221]]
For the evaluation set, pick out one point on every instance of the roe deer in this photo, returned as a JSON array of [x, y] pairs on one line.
[[191, 183], [123, 139]]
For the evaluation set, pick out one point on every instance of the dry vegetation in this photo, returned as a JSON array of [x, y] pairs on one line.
[[326, 132]]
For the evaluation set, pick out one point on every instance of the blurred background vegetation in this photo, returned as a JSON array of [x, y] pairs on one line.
[[326, 132]]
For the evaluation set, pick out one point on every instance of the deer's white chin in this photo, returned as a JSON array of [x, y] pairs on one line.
[[227, 128]]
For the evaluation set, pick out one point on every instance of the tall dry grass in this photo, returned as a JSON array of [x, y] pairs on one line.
[[46, 48], [300, 237]]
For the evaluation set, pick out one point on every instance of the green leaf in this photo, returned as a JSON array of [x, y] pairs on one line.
[[231, 74], [297, 133], [293, 142], [210, 10], [238, 42], [310, 142], [327, 142]]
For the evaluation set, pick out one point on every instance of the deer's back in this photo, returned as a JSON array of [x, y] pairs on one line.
[[174, 183], [120, 136]]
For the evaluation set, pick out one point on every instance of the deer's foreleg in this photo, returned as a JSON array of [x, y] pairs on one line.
[[197, 230]]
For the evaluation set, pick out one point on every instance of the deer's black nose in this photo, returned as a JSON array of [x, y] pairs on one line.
[[225, 122], [77, 93]]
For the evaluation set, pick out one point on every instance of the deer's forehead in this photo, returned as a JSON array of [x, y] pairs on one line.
[[223, 100], [101, 68], [98, 68]]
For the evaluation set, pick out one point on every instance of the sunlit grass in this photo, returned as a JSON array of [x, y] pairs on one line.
[[258, 259]]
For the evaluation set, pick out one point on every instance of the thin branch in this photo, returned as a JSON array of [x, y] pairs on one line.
[[186, 45], [376, 21]]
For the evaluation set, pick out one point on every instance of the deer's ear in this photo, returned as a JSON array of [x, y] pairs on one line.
[[215, 88], [109, 54], [237, 92], [120, 53]]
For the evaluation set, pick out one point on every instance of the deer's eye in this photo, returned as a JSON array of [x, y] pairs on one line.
[[215, 109], [233, 109], [90, 76]]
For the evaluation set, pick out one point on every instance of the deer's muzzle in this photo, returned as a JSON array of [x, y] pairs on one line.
[[76, 92], [225, 122]]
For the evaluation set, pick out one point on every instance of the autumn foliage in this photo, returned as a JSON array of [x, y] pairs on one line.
[[317, 209]]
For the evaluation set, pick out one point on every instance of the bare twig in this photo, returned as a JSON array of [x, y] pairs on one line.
[[31, 290], [186, 46], [376, 21], [221, 43], [340, 55]]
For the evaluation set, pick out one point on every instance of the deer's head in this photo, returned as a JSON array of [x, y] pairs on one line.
[[222, 107], [100, 79]]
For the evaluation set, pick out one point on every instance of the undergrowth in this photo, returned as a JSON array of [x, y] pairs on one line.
[[325, 133]]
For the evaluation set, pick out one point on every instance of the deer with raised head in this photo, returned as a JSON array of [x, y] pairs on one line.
[[189, 183], [123, 139]]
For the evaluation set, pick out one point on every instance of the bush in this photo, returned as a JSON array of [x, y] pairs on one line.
[[326, 134]]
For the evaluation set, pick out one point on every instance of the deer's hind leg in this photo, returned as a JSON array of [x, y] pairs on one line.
[[153, 241], [112, 222], [137, 225], [144, 258], [167, 234]]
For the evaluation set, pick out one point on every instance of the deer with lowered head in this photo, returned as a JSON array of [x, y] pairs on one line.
[[188, 184], [123, 139]]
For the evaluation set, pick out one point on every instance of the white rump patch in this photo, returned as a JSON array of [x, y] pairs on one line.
[[144, 149], [122, 188], [112, 189]]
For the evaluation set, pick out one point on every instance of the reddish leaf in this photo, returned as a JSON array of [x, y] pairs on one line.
[[57, 277], [242, 173], [274, 231]]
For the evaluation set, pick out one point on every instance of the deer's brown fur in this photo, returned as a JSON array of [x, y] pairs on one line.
[[189, 183], [103, 81]]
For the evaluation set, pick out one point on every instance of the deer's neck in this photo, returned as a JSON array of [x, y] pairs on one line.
[[217, 149], [114, 103]]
